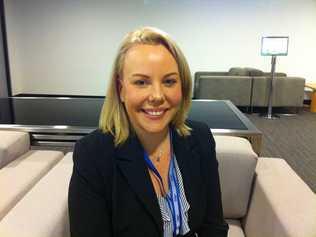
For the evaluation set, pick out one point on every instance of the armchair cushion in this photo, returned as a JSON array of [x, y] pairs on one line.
[[14, 145], [237, 162]]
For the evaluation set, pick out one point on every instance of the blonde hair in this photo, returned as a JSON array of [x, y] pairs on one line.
[[113, 117]]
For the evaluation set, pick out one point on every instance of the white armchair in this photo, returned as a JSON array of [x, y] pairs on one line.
[[262, 196]]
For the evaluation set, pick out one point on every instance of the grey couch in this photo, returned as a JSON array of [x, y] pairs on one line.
[[249, 87], [261, 197]]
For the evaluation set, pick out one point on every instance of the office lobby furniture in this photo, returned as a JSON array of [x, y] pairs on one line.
[[261, 197], [43, 211], [237, 89], [279, 204], [63, 121], [22, 168], [249, 87], [287, 92], [313, 96]]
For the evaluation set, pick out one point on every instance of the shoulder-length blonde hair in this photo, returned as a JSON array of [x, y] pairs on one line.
[[113, 117]]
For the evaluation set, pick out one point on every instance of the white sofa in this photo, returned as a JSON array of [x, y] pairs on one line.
[[43, 211], [20, 168], [262, 197]]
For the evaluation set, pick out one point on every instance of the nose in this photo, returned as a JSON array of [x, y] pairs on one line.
[[157, 95]]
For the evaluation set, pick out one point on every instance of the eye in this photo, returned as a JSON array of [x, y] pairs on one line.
[[140, 82], [170, 81]]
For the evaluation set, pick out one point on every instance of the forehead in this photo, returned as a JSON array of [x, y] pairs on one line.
[[148, 59]]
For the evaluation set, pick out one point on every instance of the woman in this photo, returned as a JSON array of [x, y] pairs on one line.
[[147, 171]]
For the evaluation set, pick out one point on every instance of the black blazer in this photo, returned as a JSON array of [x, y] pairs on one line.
[[111, 193]]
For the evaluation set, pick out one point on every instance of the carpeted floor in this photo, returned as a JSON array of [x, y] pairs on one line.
[[292, 138]]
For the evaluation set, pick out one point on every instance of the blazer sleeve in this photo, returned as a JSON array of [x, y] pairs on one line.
[[89, 214], [214, 224]]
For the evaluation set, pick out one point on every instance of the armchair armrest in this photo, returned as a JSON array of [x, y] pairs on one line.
[[281, 204]]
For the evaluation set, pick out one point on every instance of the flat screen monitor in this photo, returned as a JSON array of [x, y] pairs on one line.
[[274, 45]]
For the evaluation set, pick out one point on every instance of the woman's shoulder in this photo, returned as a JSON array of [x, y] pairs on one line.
[[92, 159], [96, 138], [198, 127], [200, 131], [95, 144]]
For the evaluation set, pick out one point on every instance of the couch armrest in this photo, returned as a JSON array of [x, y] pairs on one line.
[[12, 145], [282, 204]]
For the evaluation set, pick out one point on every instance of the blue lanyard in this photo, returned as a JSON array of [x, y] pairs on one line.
[[173, 199]]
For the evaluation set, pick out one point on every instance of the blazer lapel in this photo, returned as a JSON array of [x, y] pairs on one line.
[[187, 155], [130, 160]]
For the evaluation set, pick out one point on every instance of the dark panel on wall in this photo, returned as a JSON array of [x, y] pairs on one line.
[[5, 85]]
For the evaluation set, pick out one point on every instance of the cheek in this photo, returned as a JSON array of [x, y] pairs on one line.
[[133, 97], [175, 97]]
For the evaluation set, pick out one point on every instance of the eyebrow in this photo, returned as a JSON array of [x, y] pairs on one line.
[[146, 76]]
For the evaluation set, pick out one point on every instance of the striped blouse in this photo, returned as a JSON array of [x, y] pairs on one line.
[[166, 212]]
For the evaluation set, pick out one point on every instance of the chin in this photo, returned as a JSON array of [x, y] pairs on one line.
[[155, 130], [153, 126]]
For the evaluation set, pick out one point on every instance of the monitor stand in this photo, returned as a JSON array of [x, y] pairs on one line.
[[269, 114]]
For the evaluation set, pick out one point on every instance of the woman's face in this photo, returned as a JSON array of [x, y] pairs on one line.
[[150, 88]]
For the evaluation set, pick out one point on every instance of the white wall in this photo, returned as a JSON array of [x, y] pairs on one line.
[[67, 47]]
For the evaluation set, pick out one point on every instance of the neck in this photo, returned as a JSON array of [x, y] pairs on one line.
[[152, 141]]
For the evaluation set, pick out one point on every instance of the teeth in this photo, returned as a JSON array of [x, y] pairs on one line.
[[155, 113]]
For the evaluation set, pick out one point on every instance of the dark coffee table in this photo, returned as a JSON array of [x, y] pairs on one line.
[[60, 121]]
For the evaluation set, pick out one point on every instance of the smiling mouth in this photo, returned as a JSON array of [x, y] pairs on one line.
[[154, 112]]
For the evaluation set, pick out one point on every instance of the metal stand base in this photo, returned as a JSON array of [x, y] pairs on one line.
[[269, 116]]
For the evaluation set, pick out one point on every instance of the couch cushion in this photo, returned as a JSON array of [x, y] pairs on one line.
[[235, 229], [18, 177], [43, 212], [12, 145], [238, 71], [237, 162]]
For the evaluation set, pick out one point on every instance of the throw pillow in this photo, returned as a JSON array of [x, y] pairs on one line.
[[254, 72], [238, 71]]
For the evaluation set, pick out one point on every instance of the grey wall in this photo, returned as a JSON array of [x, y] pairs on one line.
[[68, 46]]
